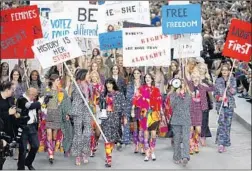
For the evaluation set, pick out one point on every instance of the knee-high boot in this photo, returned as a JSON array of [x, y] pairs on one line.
[[108, 150], [136, 140], [141, 141], [58, 141], [196, 142], [146, 149], [191, 142], [92, 145], [152, 146]]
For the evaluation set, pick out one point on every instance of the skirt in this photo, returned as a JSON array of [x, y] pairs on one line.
[[53, 119]]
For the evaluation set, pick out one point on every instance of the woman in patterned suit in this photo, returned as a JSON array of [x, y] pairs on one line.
[[149, 100], [81, 118], [181, 122], [199, 104], [227, 111], [115, 107]]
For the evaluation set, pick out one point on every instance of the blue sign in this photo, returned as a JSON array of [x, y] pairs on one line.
[[110, 40], [101, 2], [181, 19]]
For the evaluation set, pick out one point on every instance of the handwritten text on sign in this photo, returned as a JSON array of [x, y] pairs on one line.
[[238, 43], [145, 47], [84, 20], [110, 40], [57, 51], [131, 11], [19, 28], [179, 19]]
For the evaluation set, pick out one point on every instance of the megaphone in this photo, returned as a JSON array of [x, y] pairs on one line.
[[176, 83], [103, 110], [103, 114]]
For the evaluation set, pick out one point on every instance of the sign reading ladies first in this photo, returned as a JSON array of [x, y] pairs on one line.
[[180, 19]]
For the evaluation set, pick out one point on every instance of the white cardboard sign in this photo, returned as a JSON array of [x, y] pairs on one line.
[[57, 51], [146, 47], [186, 45]]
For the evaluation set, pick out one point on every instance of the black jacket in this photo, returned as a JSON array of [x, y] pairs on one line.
[[23, 107]]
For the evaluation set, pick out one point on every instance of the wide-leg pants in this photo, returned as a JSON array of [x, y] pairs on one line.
[[181, 134]]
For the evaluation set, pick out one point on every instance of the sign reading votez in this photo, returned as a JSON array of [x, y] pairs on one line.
[[84, 19], [180, 19], [110, 40], [238, 43], [57, 51], [18, 29], [146, 47]]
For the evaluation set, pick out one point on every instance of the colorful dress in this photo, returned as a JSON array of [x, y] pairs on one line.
[[149, 100]]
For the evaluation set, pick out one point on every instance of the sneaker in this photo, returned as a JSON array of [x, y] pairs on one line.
[[220, 149], [184, 162], [78, 161], [153, 157], [85, 159], [146, 158]]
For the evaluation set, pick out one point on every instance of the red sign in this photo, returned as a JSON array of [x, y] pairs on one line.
[[19, 28], [238, 43]]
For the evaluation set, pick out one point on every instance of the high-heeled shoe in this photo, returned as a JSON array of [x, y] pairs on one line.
[[78, 161], [153, 157], [51, 160], [85, 158], [136, 149]]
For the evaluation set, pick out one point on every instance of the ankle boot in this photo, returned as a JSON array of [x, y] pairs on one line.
[[108, 149]]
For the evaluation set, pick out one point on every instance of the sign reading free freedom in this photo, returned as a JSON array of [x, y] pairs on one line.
[[181, 19]]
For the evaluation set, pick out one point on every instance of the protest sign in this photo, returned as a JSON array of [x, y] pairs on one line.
[[116, 13], [238, 43], [186, 45], [110, 40], [131, 24], [84, 19], [19, 27], [60, 25], [46, 7], [57, 51], [172, 2], [145, 47], [180, 19]]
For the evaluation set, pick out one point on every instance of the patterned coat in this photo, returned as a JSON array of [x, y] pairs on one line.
[[111, 126], [181, 109], [121, 84], [219, 91], [65, 125]]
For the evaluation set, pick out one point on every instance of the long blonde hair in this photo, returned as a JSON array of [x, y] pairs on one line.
[[95, 73]]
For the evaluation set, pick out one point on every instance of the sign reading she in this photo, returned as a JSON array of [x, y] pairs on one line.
[[57, 51], [180, 19], [19, 28], [238, 43]]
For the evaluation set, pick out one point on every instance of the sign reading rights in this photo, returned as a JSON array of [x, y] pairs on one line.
[[110, 40], [238, 43], [145, 47], [84, 19], [180, 19], [57, 51], [19, 28]]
